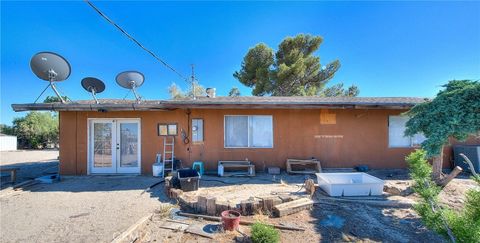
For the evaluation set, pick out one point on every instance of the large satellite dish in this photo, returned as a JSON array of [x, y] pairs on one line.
[[51, 67], [131, 80], [94, 86]]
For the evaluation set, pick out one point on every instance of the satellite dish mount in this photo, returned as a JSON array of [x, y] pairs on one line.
[[50, 67], [94, 86], [131, 80]]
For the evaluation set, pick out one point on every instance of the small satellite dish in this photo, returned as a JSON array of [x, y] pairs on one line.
[[131, 80], [94, 86], [51, 67]]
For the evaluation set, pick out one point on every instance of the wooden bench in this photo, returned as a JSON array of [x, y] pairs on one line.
[[13, 173], [304, 163], [222, 165]]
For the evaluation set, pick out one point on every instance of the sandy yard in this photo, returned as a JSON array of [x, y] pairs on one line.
[[77, 209]]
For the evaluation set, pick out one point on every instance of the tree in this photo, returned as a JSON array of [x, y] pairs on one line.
[[37, 129], [234, 92], [53, 99], [453, 113], [338, 90], [292, 71], [176, 92], [6, 129]]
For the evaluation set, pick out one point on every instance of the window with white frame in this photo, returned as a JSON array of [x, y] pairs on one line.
[[396, 133], [248, 132]]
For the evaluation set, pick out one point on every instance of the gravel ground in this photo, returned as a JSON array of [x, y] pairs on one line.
[[77, 209], [30, 163]]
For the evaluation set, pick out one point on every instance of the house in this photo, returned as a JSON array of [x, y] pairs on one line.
[[339, 131], [8, 142]]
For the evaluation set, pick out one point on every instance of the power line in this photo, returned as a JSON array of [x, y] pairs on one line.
[[136, 42]]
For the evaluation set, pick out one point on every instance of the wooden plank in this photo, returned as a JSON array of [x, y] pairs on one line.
[[198, 230], [294, 206], [242, 222]]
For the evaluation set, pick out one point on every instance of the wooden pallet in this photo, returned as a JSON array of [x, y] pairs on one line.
[[304, 162]]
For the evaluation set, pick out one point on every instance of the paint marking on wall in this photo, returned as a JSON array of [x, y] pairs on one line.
[[328, 136]]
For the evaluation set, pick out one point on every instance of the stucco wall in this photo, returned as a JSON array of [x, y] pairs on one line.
[[358, 137]]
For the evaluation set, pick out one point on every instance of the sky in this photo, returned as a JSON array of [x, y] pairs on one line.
[[387, 49]]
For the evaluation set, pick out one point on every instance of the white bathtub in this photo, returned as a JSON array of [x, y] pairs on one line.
[[350, 184]]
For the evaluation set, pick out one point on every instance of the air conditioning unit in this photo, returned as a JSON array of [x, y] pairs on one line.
[[471, 151]]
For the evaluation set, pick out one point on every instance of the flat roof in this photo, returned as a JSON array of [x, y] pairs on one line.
[[222, 102]]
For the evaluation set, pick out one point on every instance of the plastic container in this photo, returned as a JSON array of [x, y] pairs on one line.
[[157, 169], [189, 180], [230, 220], [350, 184]]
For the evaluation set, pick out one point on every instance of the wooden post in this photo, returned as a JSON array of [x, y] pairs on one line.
[[201, 204], [211, 207]]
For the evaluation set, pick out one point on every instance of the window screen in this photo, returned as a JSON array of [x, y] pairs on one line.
[[396, 131], [248, 131], [236, 131], [197, 130], [261, 131]]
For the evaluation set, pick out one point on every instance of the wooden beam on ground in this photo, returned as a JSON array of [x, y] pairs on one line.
[[242, 222], [294, 206]]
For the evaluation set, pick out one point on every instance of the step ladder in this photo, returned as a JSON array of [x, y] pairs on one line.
[[168, 154]]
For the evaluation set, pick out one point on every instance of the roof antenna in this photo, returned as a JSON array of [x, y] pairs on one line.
[[193, 82], [131, 80], [50, 67], [94, 86]]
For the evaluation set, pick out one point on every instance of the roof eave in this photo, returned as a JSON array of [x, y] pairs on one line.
[[172, 106]]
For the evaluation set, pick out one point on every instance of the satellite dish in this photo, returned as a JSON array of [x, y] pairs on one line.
[[51, 67], [94, 86], [131, 80]]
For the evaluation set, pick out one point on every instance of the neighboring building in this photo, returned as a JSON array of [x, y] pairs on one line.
[[339, 131], [7, 142]]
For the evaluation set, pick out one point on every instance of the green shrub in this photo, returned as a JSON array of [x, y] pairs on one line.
[[263, 233], [464, 225]]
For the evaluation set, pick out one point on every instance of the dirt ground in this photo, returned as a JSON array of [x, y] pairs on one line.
[[30, 163], [331, 221], [77, 209], [99, 208]]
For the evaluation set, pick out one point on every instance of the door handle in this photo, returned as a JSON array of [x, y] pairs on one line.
[[118, 146]]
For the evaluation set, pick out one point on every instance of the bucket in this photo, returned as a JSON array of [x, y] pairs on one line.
[[230, 220], [157, 169]]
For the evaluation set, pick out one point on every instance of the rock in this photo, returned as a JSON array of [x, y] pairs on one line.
[[398, 188]]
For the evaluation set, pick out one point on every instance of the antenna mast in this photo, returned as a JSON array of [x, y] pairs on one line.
[[193, 82]]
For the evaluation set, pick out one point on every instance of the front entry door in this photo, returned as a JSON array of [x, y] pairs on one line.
[[114, 146]]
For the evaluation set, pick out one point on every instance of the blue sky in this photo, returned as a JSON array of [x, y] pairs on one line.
[[386, 48]]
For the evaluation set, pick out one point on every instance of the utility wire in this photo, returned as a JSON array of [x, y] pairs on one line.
[[136, 42]]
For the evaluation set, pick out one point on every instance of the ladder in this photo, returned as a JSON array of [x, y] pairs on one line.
[[168, 154]]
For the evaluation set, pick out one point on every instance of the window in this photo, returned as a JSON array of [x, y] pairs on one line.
[[396, 130], [197, 130], [248, 132], [167, 129]]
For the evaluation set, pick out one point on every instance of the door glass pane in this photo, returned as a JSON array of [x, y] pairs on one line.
[[128, 145], [102, 144], [236, 131]]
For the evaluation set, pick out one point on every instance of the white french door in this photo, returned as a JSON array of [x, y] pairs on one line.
[[114, 146]]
